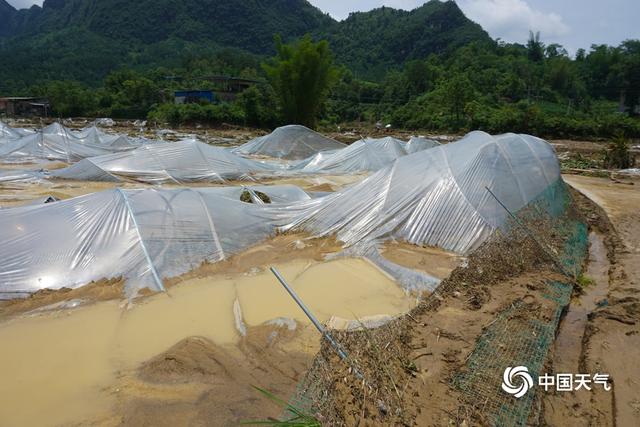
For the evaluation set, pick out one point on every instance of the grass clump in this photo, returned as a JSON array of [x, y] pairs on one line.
[[298, 417], [585, 281], [618, 155]]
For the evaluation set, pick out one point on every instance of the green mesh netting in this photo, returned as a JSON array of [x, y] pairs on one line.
[[514, 340], [511, 340]]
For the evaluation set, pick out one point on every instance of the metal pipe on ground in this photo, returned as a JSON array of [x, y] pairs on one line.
[[343, 355]]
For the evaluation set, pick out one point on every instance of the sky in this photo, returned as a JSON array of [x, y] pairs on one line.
[[572, 23]]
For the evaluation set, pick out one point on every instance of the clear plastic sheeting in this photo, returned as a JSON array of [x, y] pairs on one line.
[[293, 142], [56, 142], [633, 172], [365, 155], [419, 143], [9, 133], [410, 280], [22, 176], [192, 161], [179, 162], [93, 135], [143, 236], [436, 197]]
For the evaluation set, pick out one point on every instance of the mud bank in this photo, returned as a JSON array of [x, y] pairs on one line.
[[611, 342]]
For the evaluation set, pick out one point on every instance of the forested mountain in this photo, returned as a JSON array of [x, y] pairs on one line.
[[249, 24], [98, 35], [372, 43], [6, 16]]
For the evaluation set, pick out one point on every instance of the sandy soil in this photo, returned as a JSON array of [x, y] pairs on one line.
[[583, 147], [437, 262], [17, 194]]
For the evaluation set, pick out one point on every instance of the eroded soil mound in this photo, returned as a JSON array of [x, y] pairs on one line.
[[194, 359], [197, 382]]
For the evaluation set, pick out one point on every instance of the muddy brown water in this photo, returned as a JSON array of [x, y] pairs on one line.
[[62, 366], [568, 344]]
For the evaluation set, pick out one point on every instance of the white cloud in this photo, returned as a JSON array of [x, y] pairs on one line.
[[511, 20], [340, 9]]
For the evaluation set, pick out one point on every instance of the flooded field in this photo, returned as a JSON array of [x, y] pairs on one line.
[[63, 365], [190, 355]]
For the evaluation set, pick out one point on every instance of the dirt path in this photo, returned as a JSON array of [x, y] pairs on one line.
[[611, 343]]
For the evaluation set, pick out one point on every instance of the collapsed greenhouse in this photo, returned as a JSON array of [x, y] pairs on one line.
[[8, 133], [365, 155], [438, 197], [192, 161], [58, 143], [419, 143], [292, 142], [142, 235], [183, 161]]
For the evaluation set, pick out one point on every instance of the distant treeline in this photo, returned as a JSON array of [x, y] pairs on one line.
[[535, 89]]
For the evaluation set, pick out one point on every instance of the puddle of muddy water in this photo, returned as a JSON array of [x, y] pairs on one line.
[[568, 344], [61, 367]]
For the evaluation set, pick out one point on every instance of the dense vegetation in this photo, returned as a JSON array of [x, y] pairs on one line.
[[535, 89], [301, 75], [83, 40], [431, 68]]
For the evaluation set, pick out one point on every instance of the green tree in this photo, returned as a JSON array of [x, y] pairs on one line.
[[69, 99], [617, 154], [459, 91], [302, 74], [259, 106], [129, 94], [535, 48], [555, 50], [631, 75]]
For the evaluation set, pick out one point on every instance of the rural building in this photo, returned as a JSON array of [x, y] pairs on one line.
[[193, 96], [224, 88], [24, 106]]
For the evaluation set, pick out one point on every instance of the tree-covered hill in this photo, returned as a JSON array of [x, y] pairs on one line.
[[248, 24], [103, 34], [372, 43], [6, 15]]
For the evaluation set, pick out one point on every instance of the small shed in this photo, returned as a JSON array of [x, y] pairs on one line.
[[24, 106], [194, 96]]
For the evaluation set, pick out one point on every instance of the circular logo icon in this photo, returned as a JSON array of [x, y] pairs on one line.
[[517, 381]]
